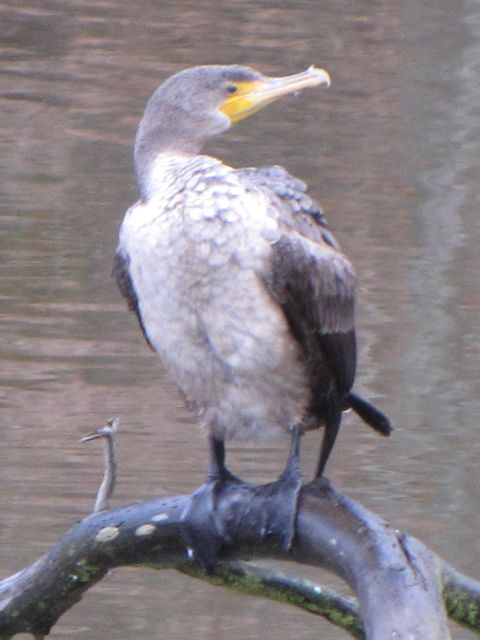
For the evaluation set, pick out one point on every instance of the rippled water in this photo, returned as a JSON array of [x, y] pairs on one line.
[[391, 151]]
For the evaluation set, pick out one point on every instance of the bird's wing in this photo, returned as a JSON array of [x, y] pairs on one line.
[[289, 196], [311, 280], [315, 285], [120, 271]]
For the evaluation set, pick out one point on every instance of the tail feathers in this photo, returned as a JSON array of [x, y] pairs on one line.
[[369, 414], [332, 424]]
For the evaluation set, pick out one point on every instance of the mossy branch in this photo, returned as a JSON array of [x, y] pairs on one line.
[[265, 582], [462, 597], [398, 581], [390, 573]]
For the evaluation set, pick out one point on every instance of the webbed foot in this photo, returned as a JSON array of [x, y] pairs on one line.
[[204, 528], [205, 521], [281, 497], [225, 507]]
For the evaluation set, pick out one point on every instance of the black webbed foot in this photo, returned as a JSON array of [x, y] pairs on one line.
[[281, 497], [225, 506], [204, 529], [206, 525]]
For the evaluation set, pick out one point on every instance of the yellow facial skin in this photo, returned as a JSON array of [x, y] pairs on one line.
[[249, 97]]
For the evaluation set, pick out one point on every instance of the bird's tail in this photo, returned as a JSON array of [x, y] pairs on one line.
[[369, 414], [332, 423]]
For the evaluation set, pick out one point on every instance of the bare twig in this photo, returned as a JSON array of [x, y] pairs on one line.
[[107, 486]]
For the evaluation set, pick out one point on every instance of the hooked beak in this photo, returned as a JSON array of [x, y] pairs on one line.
[[252, 96]]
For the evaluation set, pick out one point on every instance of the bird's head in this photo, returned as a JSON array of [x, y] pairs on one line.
[[201, 102]]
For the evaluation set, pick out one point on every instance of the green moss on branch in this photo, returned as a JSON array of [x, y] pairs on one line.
[[259, 581]]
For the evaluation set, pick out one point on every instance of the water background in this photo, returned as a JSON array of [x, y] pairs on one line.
[[391, 150]]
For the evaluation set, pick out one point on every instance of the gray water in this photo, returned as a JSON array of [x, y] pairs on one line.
[[391, 150]]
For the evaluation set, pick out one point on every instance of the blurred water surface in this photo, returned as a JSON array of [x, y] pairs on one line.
[[391, 151]]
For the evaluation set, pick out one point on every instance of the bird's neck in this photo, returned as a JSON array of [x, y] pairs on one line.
[[169, 131], [160, 135], [157, 172], [171, 173]]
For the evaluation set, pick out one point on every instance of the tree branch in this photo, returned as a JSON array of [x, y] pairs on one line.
[[396, 578], [462, 597], [267, 583]]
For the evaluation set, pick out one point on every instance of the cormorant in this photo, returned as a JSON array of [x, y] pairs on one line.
[[234, 277]]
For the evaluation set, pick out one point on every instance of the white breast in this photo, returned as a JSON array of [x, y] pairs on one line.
[[195, 250]]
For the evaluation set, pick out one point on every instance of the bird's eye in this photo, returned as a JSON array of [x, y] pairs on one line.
[[232, 88]]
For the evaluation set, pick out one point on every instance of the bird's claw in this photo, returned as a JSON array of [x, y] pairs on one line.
[[221, 509], [204, 529]]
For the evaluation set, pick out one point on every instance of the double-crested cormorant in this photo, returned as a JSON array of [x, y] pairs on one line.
[[234, 277]]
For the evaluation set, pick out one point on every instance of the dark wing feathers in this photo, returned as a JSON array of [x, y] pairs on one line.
[[120, 271], [316, 294], [314, 284], [311, 280]]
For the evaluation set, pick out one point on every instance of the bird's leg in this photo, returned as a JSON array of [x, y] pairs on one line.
[[292, 468], [291, 480], [206, 524], [216, 466], [225, 505], [281, 497]]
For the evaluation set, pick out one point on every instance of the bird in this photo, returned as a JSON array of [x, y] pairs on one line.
[[236, 280]]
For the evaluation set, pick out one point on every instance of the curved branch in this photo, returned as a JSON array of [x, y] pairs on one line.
[[396, 579], [267, 583], [462, 597], [35, 598]]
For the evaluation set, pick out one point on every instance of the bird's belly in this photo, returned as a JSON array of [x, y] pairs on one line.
[[227, 346]]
